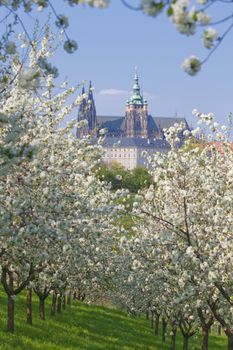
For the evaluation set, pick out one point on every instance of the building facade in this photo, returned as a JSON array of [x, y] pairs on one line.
[[128, 136], [131, 152]]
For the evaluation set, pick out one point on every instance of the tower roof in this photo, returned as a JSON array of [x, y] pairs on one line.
[[90, 94], [82, 106], [90, 99], [136, 97]]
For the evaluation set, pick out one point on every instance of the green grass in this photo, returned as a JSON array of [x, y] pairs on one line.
[[86, 327]]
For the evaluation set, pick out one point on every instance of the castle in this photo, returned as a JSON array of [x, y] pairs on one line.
[[127, 136]]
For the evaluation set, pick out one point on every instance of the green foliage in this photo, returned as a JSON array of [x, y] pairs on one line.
[[119, 177], [82, 327], [170, 11], [137, 179], [113, 174]]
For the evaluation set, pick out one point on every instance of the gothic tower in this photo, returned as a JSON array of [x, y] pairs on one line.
[[82, 130], [136, 113], [92, 121], [87, 112]]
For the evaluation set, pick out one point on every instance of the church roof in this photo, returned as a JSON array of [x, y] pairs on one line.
[[135, 142], [166, 122], [116, 123], [111, 123]]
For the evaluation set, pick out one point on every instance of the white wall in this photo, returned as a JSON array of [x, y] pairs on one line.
[[124, 156], [130, 158]]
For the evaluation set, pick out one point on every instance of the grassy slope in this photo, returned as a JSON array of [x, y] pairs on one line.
[[82, 327]]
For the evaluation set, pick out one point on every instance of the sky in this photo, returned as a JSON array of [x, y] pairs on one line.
[[115, 40]]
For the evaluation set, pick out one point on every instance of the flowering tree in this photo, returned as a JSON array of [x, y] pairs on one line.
[[187, 219], [56, 216], [149, 282]]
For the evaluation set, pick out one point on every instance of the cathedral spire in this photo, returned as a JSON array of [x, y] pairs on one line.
[[91, 112], [136, 87], [136, 113], [82, 131], [136, 98], [83, 103], [90, 94], [87, 112]]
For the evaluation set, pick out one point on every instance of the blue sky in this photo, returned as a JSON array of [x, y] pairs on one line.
[[115, 40]]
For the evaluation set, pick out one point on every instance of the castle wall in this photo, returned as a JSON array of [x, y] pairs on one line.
[[124, 156]]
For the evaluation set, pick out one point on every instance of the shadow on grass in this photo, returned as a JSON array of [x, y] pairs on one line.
[[83, 327]]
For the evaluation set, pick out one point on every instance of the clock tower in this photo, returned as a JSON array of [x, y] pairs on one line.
[[136, 113]]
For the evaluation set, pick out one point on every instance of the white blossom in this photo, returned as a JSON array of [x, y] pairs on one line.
[[203, 17], [210, 35], [191, 65], [182, 18]]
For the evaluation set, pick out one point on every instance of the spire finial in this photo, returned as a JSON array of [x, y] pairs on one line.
[[90, 94], [136, 98], [136, 87], [136, 73]]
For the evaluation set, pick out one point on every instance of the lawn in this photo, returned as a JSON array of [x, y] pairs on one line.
[[87, 327]]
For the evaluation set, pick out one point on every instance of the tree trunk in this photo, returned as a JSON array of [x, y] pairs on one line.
[[64, 301], [173, 339], [219, 329], [147, 314], [29, 305], [59, 304], [156, 324], [227, 329], [69, 299], [11, 314], [11, 305], [54, 304], [230, 341], [206, 324], [205, 338], [185, 342], [152, 320], [164, 330], [41, 308], [8, 285]]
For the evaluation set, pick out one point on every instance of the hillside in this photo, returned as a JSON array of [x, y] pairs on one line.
[[86, 327]]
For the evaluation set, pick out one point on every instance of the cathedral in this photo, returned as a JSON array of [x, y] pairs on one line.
[[129, 135], [87, 112]]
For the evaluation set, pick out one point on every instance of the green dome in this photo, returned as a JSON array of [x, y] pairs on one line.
[[136, 98]]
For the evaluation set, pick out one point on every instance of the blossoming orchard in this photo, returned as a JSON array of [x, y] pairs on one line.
[[180, 255], [63, 236]]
